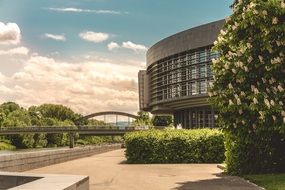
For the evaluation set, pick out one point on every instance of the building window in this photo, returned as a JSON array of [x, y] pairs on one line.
[[193, 72], [202, 71], [193, 88], [202, 87]]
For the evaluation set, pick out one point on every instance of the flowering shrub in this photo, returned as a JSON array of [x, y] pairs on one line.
[[248, 88], [175, 146]]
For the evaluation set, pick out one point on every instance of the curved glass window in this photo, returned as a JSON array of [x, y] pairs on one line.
[[181, 75]]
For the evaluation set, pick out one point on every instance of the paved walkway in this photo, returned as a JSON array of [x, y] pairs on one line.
[[109, 172]]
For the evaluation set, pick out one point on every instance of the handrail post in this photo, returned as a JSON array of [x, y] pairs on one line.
[[71, 140]]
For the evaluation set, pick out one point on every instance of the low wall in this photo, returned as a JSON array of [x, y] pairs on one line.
[[24, 181], [22, 161]]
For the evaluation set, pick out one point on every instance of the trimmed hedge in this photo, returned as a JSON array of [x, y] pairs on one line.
[[175, 146], [255, 153]]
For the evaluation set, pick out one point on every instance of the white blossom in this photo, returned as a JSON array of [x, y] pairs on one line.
[[223, 32], [283, 113], [274, 117], [238, 101], [248, 45], [252, 5], [281, 103], [263, 80], [255, 90], [264, 12], [249, 60], [260, 59], [255, 101], [272, 102], [234, 71], [230, 86], [267, 103], [242, 93], [231, 102], [261, 115], [280, 88], [274, 20], [240, 111], [276, 60], [283, 119], [282, 4]]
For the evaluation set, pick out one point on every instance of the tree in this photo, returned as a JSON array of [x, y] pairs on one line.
[[248, 88], [9, 107], [59, 112], [143, 119], [19, 118]]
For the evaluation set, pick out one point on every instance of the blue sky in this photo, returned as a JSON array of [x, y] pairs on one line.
[[68, 33]]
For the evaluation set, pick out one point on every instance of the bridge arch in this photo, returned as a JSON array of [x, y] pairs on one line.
[[107, 113]]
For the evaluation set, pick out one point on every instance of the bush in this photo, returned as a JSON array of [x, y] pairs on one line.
[[255, 153], [175, 146]]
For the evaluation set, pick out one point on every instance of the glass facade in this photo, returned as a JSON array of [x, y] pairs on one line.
[[178, 75], [182, 75]]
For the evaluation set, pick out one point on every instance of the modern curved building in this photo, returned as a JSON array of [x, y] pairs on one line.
[[178, 75]]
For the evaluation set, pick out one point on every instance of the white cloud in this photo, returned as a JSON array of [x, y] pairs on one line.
[[86, 86], [94, 36], [10, 33], [133, 46], [77, 10], [15, 51], [113, 45], [55, 37]]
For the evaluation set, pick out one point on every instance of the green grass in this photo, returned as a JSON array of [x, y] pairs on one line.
[[268, 181], [6, 146]]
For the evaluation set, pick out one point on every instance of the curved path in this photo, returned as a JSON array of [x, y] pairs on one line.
[[108, 171]]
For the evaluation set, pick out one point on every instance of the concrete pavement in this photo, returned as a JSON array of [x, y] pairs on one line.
[[108, 171]]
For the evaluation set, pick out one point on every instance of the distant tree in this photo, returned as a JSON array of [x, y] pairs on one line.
[[58, 112], [9, 107], [19, 118], [143, 119]]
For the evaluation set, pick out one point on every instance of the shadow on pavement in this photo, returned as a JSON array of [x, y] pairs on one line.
[[223, 182]]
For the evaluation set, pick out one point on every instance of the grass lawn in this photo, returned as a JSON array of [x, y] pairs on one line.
[[268, 181]]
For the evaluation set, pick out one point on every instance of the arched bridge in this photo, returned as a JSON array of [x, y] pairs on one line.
[[104, 113], [108, 113]]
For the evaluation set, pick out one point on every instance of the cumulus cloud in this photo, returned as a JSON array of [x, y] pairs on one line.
[[10, 33], [113, 45], [55, 37], [127, 45], [94, 36], [86, 86], [135, 47], [15, 51], [77, 10]]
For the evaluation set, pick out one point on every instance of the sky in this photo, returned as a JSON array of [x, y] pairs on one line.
[[86, 54]]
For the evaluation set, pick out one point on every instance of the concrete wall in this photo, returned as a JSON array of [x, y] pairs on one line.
[[24, 181], [23, 161]]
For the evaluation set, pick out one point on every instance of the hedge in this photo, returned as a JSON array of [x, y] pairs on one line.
[[175, 146], [255, 153]]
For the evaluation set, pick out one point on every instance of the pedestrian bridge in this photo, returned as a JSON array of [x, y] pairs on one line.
[[71, 130]]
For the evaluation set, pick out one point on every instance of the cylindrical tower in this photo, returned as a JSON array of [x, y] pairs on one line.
[[178, 75]]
